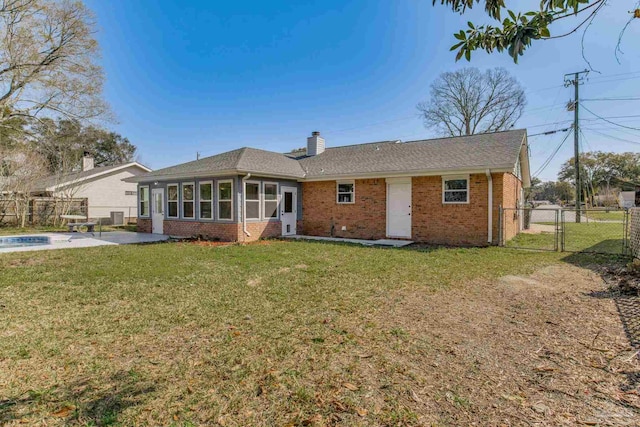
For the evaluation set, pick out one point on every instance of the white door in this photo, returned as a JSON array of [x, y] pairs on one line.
[[288, 210], [157, 210], [399, 208]]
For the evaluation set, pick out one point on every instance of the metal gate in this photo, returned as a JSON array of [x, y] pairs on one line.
[[602, 231]]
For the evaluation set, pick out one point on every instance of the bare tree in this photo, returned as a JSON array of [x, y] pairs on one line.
[[467, 101], [22, 170], [48, 61]]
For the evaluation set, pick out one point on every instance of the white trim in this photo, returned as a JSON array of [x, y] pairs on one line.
[[490, 210], [218, 200], [182, 200], [92, 176], [142, 215], [177, 201], [454, 178], [353, 192], [388, 175], [393, 181], [200, 201], [285, 188], [264, 201], [252, 200]]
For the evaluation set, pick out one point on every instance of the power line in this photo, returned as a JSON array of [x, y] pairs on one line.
[[553, 154], [613, 99], [609, 121], [614, 137], [550, 132]]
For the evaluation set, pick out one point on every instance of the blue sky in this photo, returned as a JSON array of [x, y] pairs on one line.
[[210, 76]]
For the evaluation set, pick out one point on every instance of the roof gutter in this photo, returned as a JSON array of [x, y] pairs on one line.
[[244, 204], [490, 207]]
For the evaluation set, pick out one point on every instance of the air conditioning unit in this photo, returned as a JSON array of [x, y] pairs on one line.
[[117, 218]]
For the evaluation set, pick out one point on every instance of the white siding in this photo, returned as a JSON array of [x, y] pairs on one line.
[[107, 193]]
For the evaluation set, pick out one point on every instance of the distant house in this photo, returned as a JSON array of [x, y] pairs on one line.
[[444, 191], [627, 199], [102, 186]]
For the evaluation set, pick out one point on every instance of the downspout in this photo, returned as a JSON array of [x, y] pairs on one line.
[[490, 210], [244, 200]]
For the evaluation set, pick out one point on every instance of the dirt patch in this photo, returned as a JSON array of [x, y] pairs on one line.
[[521, 350]]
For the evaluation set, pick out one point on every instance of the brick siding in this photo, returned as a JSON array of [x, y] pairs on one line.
[[450, 224], [226, 232], [512, 189], [260, 230], [144, 225], [364, 219], [432, 221]]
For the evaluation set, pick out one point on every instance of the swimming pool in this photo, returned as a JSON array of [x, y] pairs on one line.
[[22, 241]]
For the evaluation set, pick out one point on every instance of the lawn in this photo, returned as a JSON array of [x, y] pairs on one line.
[[7, 230], [606, 215], [597, 237], [299, 333]]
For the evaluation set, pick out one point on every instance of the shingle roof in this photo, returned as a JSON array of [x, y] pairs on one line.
[[500, 149], [243, 159], [494, 150], [54, 180], [74, 176]]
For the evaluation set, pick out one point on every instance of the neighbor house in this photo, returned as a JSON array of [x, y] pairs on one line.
[[627, 199], [442, 191], [102, 187]]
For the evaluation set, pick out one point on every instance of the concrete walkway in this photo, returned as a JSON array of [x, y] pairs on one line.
[[83, 240], [380, 242]]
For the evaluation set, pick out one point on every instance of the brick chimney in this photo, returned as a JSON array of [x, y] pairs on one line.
[[87, 162], [315, 144]]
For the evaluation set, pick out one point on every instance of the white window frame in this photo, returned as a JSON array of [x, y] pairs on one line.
[[456, 178], [218, 199], [200, 201], [140, 201], [353, 192], [192, 200], [177, 201], [259, 218], [264, 201]]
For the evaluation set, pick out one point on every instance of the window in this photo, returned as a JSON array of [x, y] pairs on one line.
[[252, 200], [455, 189], [144, 200], [225, 200], [172, 201], [346, 192], [130, 193], [206, 200], [188, 200], [270, 203]]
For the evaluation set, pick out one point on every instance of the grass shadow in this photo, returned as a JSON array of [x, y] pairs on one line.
[[80, 402]]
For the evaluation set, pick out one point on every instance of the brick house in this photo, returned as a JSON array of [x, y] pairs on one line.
[[443, 191]]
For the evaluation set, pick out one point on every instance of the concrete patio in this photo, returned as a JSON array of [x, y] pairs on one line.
[[85, 240]]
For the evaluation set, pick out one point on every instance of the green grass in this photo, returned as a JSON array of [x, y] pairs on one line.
[[606, 215], [266, 334], [7, 230], [597, 237]]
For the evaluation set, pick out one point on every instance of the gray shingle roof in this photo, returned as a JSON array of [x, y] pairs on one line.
[[242, 160], [54, 179], [494, 150], [500, 149]]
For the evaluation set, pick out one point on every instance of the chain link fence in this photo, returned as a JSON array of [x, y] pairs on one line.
[[634, 232], [603, 231]]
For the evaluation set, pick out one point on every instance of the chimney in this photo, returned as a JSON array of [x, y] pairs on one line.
[[315, 144], [87, 162]]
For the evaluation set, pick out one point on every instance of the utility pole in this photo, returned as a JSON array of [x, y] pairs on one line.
[[576, 79], [197, 155]]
